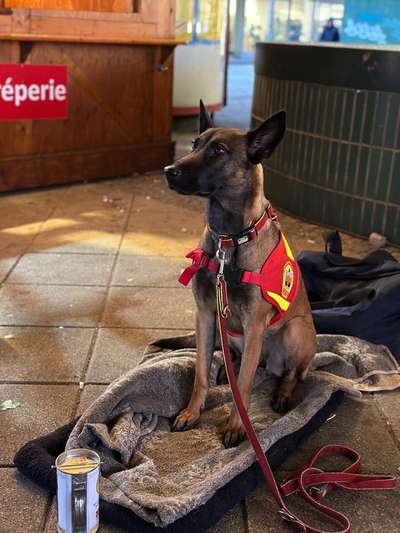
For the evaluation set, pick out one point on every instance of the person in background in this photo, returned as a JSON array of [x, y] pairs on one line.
[[330, 33]]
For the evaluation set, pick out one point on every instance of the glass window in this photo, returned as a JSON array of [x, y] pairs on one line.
[[325, 9], [200, 20]]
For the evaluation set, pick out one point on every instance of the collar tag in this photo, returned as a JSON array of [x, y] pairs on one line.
[[243, 239]]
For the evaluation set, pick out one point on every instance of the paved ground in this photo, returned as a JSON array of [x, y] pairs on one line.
[[240, 89], [81, 268]]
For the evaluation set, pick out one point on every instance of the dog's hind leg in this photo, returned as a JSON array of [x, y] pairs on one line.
[[205, 337]]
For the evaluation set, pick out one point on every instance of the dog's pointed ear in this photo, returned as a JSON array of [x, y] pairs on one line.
[[205, 119], [262, 141]]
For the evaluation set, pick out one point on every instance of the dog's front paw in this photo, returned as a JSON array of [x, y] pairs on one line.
[[234, 432], [185, 420], [280, 402]]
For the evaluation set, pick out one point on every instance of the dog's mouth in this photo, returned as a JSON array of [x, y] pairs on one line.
[[178, 189], [181, 190]]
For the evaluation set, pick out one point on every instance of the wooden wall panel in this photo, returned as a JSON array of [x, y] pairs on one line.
[[9, 52], [110, 95], [43, 170], [124, 6]]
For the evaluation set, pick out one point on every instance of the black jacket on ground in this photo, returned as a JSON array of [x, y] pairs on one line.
[[359, 297]]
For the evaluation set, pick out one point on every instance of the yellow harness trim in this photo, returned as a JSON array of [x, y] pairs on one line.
[[287, 248], [283, 304]]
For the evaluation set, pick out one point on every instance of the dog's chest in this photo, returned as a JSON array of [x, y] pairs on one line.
[[241, 298]]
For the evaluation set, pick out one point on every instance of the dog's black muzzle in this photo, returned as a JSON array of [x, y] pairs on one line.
[[178, 182], [172, 172], [174, 178]]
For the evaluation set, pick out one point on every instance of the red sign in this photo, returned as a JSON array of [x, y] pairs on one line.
[[33, 92]]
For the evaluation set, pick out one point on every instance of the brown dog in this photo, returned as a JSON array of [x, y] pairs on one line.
[[224, 166]]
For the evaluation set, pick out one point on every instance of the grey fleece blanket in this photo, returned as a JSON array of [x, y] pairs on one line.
[[163, 475]]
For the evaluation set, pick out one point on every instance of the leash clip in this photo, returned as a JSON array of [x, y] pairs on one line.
[[222, 294], [287, 516], [221, 260]]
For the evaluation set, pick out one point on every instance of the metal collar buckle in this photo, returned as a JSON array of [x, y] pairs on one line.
[[319, 492]]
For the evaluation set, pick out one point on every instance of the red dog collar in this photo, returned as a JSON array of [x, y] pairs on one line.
[[248, 234]]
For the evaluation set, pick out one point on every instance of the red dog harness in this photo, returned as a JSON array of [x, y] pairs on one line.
[[278, 278]]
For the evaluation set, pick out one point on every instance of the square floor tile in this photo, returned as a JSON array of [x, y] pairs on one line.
[[43, 409], [25, 305], [87, 215], [163, 208], [43, 354], [150, 308], [147, 242], [162, 228], [63, 269], [23, 504], [108, 192], [148, 271], [118, 350], [72, 240]]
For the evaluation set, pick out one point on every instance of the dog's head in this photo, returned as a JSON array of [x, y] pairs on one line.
[[221, 158]]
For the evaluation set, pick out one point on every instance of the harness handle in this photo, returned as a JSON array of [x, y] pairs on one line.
[[309, 479]]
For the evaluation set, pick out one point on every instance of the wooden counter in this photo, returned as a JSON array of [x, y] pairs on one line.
[[119, 84]]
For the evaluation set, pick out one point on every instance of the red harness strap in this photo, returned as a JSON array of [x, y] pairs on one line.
[[308, 477], [278, 278], [199, 260]]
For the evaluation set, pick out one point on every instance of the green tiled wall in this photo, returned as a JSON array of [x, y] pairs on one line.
[[339, 163]]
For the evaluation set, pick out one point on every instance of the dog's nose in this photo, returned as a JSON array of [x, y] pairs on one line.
[[171, 171]]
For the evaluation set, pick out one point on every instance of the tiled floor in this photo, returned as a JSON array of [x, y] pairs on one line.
[[88, 278]]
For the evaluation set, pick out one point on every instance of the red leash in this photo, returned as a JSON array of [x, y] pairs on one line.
[[308, 480]]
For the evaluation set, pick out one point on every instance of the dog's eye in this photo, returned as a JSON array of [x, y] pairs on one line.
[[219, 149]]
